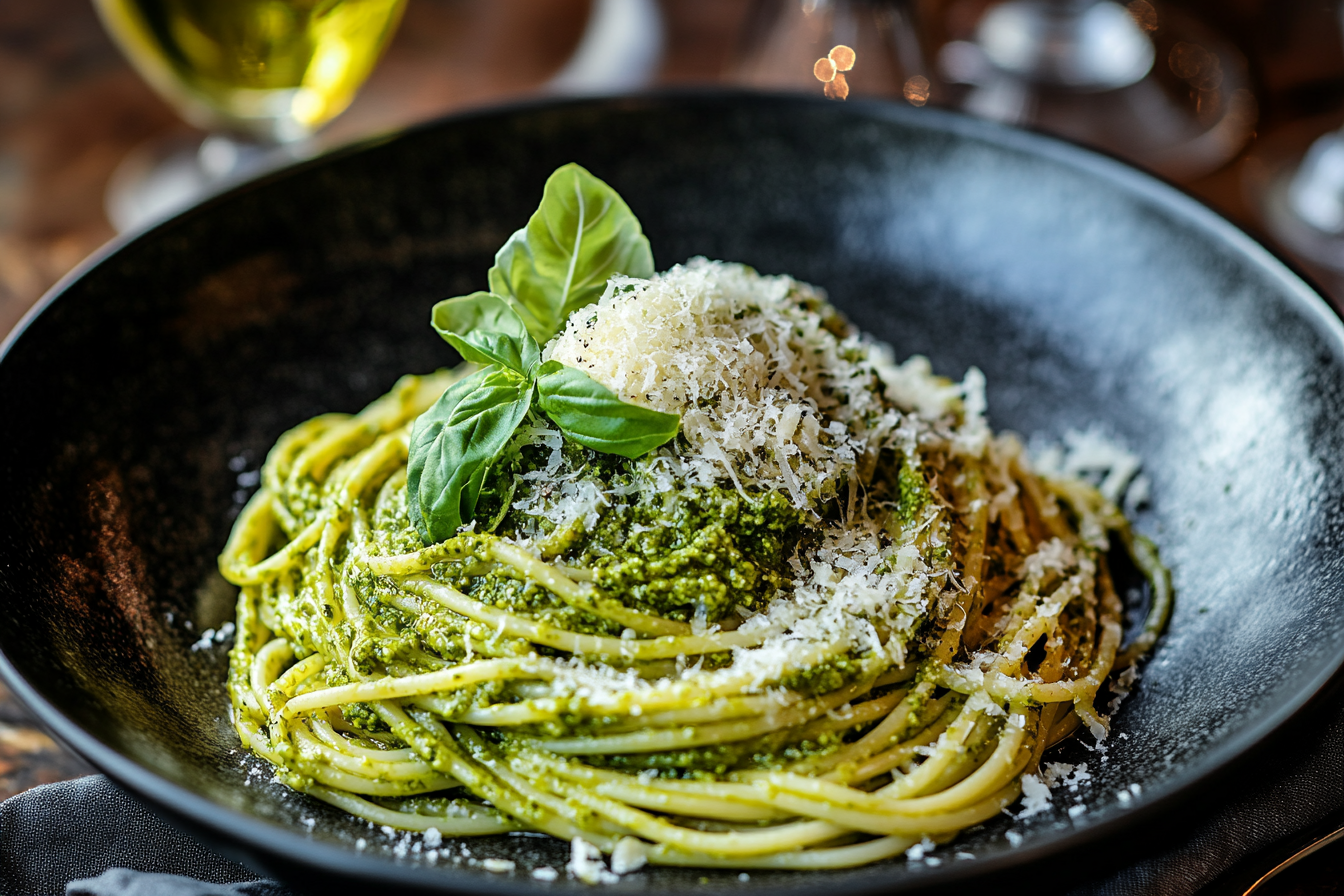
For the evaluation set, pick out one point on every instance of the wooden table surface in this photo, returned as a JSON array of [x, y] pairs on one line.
[[71, 108]]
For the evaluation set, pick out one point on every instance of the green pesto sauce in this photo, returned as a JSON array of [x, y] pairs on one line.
[[394, 533], [304, 500], [913, 494], [913, 505], [503, 590], [696, 551], [362, 716], [713, 762], [824, 677]]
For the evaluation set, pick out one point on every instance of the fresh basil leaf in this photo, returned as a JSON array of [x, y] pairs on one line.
[[593, 415], [485, 330], [580, 235], [454, 444]]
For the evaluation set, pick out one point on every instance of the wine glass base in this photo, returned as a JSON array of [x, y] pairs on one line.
[[1286, 223], [1267, 177], [621, 49], [160, 178]]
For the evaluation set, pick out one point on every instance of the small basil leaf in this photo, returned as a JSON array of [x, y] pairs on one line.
[[580, 235], [593, 415], [455, 442], [485, 330]]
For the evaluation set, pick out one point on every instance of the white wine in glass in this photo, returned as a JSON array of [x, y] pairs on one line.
[[260, 76], [272, 70]]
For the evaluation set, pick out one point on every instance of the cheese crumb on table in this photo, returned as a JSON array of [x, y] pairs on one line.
[[585, 863]]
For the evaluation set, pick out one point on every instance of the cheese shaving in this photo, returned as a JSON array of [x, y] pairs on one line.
[[774, 391]]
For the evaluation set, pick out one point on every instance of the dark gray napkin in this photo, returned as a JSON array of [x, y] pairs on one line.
[[125, 882], [77, 830]]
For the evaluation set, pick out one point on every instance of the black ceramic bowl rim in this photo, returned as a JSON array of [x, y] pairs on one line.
[[221, 826]]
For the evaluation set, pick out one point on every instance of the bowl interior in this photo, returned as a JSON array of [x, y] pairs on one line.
[[141, 401]]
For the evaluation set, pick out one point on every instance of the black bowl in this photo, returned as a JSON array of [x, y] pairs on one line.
[[140, 400]]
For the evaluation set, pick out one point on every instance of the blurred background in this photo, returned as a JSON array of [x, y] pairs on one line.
[[1224, 97]]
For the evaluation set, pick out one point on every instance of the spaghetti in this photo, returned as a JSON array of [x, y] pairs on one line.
[[835, 616]]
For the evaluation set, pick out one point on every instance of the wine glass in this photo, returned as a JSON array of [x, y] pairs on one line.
[[261, 76], [1296, 185], [1144, 81]]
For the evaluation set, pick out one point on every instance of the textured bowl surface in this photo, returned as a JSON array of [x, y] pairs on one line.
[[140, 401]]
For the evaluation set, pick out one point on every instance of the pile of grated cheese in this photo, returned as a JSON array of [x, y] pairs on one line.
[[773, 390]]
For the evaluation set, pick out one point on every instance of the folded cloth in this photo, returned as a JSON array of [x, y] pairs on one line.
[[64, 834], [125, 882], [89, 838]]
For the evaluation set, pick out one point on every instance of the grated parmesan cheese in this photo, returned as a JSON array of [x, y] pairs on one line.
[[769, 397], [1058, 771], [628, 856], [585, 863], [210, 637], [1035, 797], [1079, 777], [1092, 452], [920, 850]]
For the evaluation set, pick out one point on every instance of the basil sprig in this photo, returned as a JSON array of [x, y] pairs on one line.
[[593, 415], [454, 443], [485, 330], [582, 234]]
